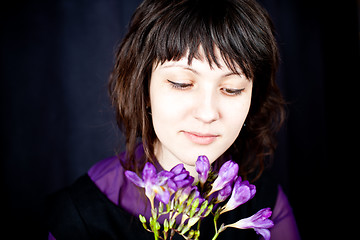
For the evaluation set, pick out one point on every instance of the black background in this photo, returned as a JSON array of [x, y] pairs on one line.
[[57, 121]]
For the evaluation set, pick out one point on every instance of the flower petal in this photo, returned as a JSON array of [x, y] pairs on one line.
[[163, 177], [263, 232], [202, 167], [183, 193], [239, 196], [162, 194], [224, 193], [258, 220], [178, 169], [133, 177], [228, 172], [184, 183], [181, 176], [172, 185], [252, 190], [149, 172], [261, 219]]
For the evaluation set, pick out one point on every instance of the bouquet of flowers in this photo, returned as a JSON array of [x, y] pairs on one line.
[[179, 197]]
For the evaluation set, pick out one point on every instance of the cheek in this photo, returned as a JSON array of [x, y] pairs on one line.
[[234, 116], [167, 112], [165, 108], [239, 114]]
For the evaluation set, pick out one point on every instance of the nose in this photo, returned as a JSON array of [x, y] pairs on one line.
[[206, 108]]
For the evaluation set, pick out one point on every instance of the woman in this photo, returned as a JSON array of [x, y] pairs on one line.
[[192, 77]]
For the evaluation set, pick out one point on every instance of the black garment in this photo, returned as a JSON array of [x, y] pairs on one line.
[[82, 211]]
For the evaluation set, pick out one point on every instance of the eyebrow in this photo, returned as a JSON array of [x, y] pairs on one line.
[[187, 67], [233, 73]]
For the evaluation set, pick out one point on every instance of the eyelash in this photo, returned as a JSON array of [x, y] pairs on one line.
[[232, 92], [181, 86], [227, 91]]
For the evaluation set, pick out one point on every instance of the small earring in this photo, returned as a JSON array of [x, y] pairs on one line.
[[244, 125], [148, 109]]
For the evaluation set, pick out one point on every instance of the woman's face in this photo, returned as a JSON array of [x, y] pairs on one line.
[[196, 110]]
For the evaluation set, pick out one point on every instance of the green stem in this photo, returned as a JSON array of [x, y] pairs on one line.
[[216, 217], [172, 234], [215, 236], [221, 229], [198, 224], [216, 230]]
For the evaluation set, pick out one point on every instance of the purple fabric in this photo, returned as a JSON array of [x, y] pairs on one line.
[[284, 221], [108, 176], [51, 237]]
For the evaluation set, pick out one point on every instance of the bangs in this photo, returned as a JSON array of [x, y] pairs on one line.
[[182, 29]]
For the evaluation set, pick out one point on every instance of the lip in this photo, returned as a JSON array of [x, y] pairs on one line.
[[201, 138]]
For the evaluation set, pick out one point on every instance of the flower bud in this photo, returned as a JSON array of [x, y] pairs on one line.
[[228, 172], [203, 168]]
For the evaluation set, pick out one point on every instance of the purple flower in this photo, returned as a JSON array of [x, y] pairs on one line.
[[260, 222], [203, 168], [154, 183], [242, 192], [228, 172], [180, 179], [184, 193], [224, 193], [178, 169]]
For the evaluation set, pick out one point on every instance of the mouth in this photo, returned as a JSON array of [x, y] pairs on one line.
[[201, 138]]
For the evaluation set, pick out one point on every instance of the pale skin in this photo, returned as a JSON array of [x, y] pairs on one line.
[[196, 109]]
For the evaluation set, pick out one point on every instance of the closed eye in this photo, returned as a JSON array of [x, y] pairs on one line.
[[180, 85], [232, 91]]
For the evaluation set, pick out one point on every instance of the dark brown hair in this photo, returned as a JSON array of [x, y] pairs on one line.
[[163, 30]]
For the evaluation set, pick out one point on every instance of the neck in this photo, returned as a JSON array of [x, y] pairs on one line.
[[168, 161]]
